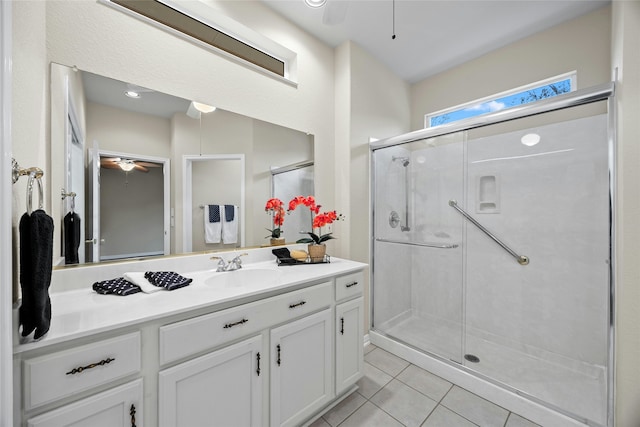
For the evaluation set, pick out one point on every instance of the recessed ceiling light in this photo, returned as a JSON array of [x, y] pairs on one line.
[[315, 3], [530, 139], [132, 94]]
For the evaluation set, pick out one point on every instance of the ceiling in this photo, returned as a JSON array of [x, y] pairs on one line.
[[431, 35]]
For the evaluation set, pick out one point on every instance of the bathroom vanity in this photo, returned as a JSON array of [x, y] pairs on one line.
[[265, 345]]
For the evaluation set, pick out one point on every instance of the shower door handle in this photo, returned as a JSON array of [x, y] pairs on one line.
[[522, 259]]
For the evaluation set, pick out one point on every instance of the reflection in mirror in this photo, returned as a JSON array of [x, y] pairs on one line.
[[93, 122], [287, 183]]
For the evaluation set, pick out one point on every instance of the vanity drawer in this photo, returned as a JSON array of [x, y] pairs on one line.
[[349, 286], [300, 303], [54, 376], [193, 336]]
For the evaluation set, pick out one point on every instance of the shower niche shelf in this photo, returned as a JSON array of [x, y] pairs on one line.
[[488, 194]]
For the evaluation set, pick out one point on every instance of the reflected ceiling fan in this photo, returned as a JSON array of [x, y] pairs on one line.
[[127, 165]]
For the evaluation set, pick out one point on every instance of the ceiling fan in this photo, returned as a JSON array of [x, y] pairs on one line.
[[127, 165]]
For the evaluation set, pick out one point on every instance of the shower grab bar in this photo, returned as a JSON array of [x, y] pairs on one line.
[[425, 245], [522, 259]]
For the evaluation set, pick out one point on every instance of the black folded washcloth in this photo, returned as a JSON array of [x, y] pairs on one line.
[[119, 286], [36, 255], [167, 279], [229, 211], [281, 253]]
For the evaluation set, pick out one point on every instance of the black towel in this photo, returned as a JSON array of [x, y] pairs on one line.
[[119, 286], [36, 255], [167, 279], [214, 213], [71, 238], [229, 211]]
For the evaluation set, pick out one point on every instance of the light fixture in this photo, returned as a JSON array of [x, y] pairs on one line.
[[203, 108], [315, 3], [126, 165], [132, 94], [530, 139]]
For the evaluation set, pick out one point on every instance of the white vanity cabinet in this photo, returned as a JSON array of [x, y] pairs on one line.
[[349, 332], [301, 368], [222, 388], [117, 407], [274, 358]]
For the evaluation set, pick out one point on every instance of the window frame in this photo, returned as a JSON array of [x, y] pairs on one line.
[[572, 76]]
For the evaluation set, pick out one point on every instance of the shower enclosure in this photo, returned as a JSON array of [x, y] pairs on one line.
[[492, 250]]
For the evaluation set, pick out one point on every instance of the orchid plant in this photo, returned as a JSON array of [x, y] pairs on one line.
[[318, 219], [275, 207]]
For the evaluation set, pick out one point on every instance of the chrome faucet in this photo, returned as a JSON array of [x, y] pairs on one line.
[[234, 264]]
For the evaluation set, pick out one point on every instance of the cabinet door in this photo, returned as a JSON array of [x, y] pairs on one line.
[[119, 406], [349, 343], [301, 368], [222, 388]]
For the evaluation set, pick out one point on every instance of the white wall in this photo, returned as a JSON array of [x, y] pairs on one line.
[[626, 45], [370, 102], [582, 44]]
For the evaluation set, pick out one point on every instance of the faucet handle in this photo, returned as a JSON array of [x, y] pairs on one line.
[[221, 264], [237, 259]]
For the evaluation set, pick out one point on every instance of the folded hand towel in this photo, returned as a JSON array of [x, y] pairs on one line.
[[36, 257], [214, 213], [138, 278], [229, 212], [212, 230], [167, 279], [119, 286], [230, 224]]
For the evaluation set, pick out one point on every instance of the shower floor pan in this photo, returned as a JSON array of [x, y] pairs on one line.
[[573, 386]]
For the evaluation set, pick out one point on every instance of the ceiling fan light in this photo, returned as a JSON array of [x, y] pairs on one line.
[[203, 108], [126, 165], [315, 3]]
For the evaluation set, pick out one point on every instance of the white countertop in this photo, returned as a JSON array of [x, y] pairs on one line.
[[83, 312]]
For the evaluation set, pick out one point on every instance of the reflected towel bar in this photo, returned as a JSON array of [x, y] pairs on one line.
[[425, 245], [522, 259]]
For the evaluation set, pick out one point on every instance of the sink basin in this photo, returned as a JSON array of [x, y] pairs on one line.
[[245, 278]]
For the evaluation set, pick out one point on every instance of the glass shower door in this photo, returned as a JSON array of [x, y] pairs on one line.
[[540, 328], [418, 275]]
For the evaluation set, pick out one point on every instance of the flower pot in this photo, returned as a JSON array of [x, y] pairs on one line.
[[317, 252], [276, 242]]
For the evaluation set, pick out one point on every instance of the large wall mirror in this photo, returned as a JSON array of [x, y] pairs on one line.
[[140, 173]]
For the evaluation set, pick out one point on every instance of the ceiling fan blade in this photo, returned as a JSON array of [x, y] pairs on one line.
[[109, 165], [141, 168], [110, 159], [335, 12], [148, 164]]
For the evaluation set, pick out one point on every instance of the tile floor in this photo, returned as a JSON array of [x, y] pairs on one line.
[[395, 393]]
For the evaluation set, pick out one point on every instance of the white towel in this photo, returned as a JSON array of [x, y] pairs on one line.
[[212, 230], [229, 228], [138, 278]]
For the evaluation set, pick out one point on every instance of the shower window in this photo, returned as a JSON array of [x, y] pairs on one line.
[[522, 95]]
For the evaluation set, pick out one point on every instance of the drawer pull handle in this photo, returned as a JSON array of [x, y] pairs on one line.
[[239, 322], [342, 326], [297, 305], [348, 285], [91, 366], [278, 349], [258, 363], [132, 412]]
